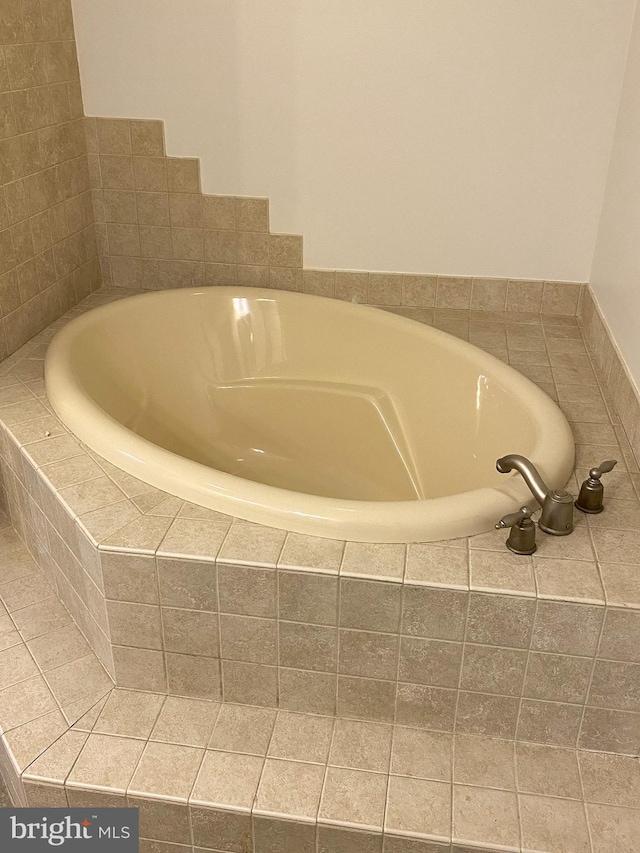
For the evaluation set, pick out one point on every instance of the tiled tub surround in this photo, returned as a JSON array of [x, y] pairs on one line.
[[156, 229], [248, 779], [455, 636], [533, 638], [48, 251]]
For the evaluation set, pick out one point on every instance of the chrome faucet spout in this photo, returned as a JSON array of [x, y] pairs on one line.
[[530, 475]]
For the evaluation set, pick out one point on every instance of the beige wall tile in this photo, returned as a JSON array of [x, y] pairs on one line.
[[312, 692], [493, 670], [567, 628], [183, 174], [385, 289], [366, 698], [310, 647], [430, 662], [435, 613], [248, 639], [419, 291], [113, 136], [611, 731], [190, 632], [116, 172], [524, 295], [560, 297], [251, 214], [136, 625], [307, 598], [319, 282], [220, 247], [484, 714], [123, 239], [188, 244], [500, 620], [368, 654], [140, 669], [352, 286], [155, 241], [621, 636], [250, 683], [285, 278], [289, 789], [247, 591], [153, 208], [219, 213], [252, 248], [224, 829], [273, 836], [150, 174], [549, 722], [385, 562], [615, 685], [228, 274], [193, 676], [147, 137], [186, 209], [558, 678], [187, 583]]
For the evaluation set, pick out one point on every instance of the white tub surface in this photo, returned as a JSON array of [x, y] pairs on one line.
[[308, 414]]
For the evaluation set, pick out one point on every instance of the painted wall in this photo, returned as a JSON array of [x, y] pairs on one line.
[[616, 267], [458, 137]]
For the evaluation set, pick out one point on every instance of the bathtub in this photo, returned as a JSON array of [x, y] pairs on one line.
[[303, 413]]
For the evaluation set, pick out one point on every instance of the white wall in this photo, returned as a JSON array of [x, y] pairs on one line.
[[616, 266], [446, 136]]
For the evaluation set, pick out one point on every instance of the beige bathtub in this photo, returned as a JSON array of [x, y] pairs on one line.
[[308, 414]]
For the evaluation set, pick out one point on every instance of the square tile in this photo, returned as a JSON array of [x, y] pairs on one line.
[[301, 737], [129, 713], [353, 798], [185, 721], [419, 807], [422, 754], [290, 789], [243, 729], [106, 763], [486, 816], [548, 770], [550, 824], [361, 745], [167, 771], [227, 780], [488, 762]]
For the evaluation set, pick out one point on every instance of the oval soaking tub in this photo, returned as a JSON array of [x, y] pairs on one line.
[[309, 414]]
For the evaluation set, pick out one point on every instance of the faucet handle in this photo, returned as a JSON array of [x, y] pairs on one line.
[[522, 538], [514, 518], [591, 497], [604, 468]]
